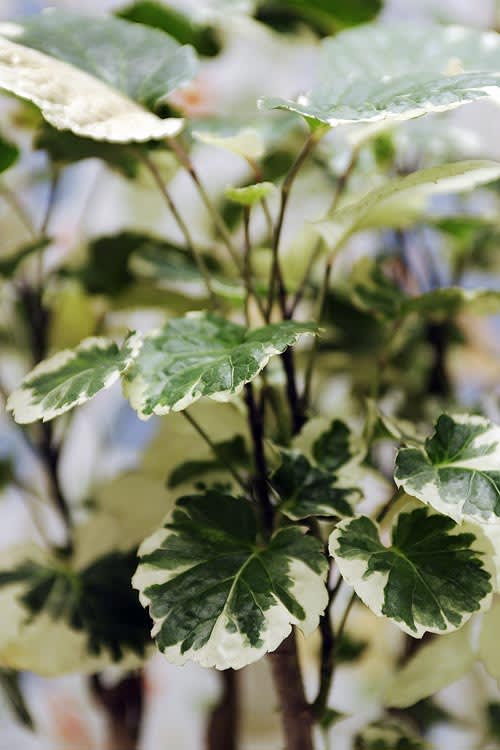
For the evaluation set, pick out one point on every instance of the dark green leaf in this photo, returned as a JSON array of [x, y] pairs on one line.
[[388, 735], [332, 449], [9, 154], [323, 16], [9, 685], [219, 597], [232, 451]]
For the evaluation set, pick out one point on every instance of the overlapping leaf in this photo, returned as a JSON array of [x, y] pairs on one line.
[[217, 596], [71, 377], [388, 735], [88, 600], [202, 355], [432, 578], [95, 77], [374, 209], [395, 72], [457, 471]]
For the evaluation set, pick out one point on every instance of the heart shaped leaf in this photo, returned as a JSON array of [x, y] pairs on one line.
[[218, 597]]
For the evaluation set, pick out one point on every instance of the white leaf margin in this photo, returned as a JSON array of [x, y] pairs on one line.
[[226, 649], [26, 408], [71, 99]]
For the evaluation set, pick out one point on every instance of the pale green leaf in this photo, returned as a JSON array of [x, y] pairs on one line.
[[457, 471], [431, 578], [397, 72], [365, 213], [390, 734], [71, 377], [488, 650], [219, 598], [142, 63], [420, 678], [202, 355], [247, 142], [250, 194]]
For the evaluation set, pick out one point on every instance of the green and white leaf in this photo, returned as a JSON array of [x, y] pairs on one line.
[[95, 77], [250, 194], [432, 578], [306, 490], [218, 597], [388, 735], [420, 678], [398, 72], [202, 355], [457, 470], [71, 377], [376, 208]]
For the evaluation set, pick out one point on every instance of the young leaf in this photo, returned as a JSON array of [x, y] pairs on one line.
[[144, 64], [432, 577], [457, 471], [70, 378], [394, 72], [333, 448], [366, 213], [202, 355], [307, 490], [219, 598], [87, 600], [250, 194], [247, 142], [324, 16]]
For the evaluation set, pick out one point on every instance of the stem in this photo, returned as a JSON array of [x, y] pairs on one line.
[[123, 704], [185, 161], [255, 419], [201, 432], [51, 200], [15, 204], [319, 317], [297, 716], [198, 257], [222, 731], [247, 270], [276, 275]]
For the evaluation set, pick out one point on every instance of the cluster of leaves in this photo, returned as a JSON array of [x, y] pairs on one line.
[[241, 556]]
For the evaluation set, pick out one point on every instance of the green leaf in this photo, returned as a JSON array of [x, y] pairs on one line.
[[250, 194], [9, 264], [143, 63], [202, 355], [307, 490], [6, 472], [431, 578], [64, 147], [87, 600], [218, 597], [333, 448], [374, 292], [397, 72], [173, 22], [388, 735], [70, 378], [9, 154], [457, 471], [10, 687], [232, 451], [374, 209], [324, 16], [246, 142], [95, 77]]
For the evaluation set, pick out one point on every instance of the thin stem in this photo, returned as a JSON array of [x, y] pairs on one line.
[[190, 244], [276, 277], [222, 732], [255, 420], [185, 161], [51, 199], [213, 447], [297, 717], [247, 269]]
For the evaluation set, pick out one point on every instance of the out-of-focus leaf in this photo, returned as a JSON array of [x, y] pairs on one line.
[[9, 685], [323, 16], [388, 734], [232, 452], [250, 194], [9, 154], [9, 264]]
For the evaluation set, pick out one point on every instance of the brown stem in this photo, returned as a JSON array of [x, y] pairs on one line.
[[123, 704], [296, 714], [223, 724]]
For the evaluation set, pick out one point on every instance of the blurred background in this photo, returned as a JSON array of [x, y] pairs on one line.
[[110, 455]]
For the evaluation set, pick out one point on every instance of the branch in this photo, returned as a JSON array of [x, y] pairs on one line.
[[222, 731], [255, 420]]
